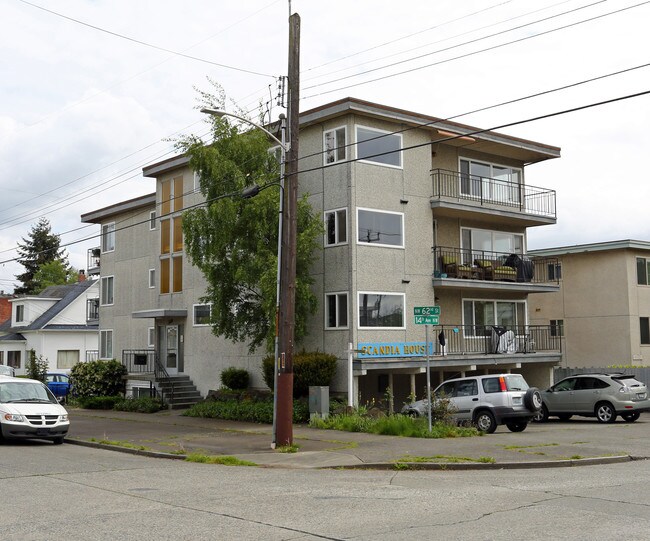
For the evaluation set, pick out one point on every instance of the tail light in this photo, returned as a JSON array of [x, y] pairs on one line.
[[502, 384]]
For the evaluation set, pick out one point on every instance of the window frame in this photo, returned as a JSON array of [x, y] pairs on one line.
[[519, 305], [335, 213], [391, 293], [380, 133], [644, 331], [194, 318], [67, 351], [377, 211], [557, 328], [337, 150], [106, 340], [102, 297], [152, 278], [152, 220], [151, 338], [478, 253], [642, 264], [554, 271], [20, 313], [108, 237], [337, 295], [12, 355]]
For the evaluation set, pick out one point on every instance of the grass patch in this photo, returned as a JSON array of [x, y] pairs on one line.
[[224, 460], [288, 448], [446, 458], [516, 447], [117, 443], [392, 425]]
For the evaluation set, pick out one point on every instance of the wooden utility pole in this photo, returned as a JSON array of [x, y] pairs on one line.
[[284, 390]]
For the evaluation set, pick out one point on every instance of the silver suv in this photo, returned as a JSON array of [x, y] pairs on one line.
[[486, 401], [604, 396]]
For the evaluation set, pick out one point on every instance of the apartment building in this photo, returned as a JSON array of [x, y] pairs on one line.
[[602, 309], [418, 212]]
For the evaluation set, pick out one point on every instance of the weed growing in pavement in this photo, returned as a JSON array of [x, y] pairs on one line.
[[288, 448], [446, 458], [121, 444], [224, 460]]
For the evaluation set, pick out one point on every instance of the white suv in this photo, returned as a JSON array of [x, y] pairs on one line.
[[486, 401]]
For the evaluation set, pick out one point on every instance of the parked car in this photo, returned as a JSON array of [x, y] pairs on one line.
[[604, 396], [59, 384], [486, 401], [7, 370], [28, 409]]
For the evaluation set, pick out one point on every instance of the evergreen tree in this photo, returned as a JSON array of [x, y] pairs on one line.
[[40, 247]]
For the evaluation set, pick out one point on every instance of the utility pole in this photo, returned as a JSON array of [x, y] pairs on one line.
[[284, 367]]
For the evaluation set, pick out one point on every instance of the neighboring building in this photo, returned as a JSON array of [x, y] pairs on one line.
[[5, 307], [602, 310], [60, 323], [429, 212]]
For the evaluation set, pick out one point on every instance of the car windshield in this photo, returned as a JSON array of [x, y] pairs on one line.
[[25, 392], [515, 382]]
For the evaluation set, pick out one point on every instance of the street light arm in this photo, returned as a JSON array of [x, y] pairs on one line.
[[219, 113]]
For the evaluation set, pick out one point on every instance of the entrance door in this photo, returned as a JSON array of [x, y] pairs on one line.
[[168, 347]]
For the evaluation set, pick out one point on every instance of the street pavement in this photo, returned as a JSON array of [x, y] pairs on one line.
[[169, 434]]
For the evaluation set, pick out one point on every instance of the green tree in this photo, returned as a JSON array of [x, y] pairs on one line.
[[54, 273], [42, 246], [233, 241]]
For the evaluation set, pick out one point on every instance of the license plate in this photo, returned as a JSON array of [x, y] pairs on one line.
[[43, 432], [516, 399]]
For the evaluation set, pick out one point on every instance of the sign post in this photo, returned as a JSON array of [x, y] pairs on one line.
[[427, 315]]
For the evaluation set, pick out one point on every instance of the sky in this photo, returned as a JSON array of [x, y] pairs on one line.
[[94, 90]]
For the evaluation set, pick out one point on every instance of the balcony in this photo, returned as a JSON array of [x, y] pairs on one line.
[[456, 268], [459, 195], [92, 261], [92, 310]]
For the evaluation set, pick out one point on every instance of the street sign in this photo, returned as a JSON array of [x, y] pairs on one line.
[[426, 311], [427, 320]]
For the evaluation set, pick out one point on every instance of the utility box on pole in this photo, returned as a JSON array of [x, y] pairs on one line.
[[319, 402]]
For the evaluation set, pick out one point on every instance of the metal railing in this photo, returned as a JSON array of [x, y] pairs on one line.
[[93, 260], [147, 362], [489, 339], [92, 355], [469, 264], [494, 192], [92, 310]]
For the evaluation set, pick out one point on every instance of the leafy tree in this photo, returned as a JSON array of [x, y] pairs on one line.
[[37, 367], [233, 241], [54, 273], [42, 246]]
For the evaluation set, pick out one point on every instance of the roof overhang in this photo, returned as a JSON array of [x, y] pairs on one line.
[[160, 313], [594, 247], [97, 216]]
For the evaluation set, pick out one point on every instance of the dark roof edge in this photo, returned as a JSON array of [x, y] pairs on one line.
[[97, 216]]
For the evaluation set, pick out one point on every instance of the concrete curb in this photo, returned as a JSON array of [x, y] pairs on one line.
[[128, 450]]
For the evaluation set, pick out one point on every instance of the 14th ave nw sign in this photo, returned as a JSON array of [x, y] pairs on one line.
[[427, 315]]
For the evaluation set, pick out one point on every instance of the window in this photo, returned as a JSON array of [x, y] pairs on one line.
[[489, 181], [336, 311], [13, 359], [152, 278], [380, 228], [554, 271], [165, 236], [377, 146], [202, 313], [20, 313], [106, 290], [108, 237], [67, 358], [480, 315], [336, 227], [165, 197], [642, 271], [106, 344], [381, 310], [486, 244], [557, 327], [178, 234], [645, 330], [177, 276], [151, 337], [334, 145], [164, 276], [178, 194], [92, 309], [152, 220]]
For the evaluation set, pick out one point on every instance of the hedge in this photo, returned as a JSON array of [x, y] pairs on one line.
[[309, 369]]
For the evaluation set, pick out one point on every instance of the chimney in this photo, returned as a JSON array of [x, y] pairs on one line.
[[82, 276]]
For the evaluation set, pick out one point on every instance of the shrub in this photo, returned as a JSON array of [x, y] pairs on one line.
[[98, 378], [98, 402], [143, 404], [252, 411], [235, 378], [37, 367], [309, 369]]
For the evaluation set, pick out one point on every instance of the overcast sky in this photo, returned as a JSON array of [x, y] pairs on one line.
[[86, 103]]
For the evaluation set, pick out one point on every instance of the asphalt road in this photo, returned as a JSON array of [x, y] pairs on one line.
[[72, 492]]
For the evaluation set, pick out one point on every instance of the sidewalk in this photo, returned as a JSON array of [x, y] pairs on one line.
[[169, 434]]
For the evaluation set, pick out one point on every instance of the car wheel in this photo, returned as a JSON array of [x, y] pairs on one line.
[[412, 413], [631, 417], [58, 441], [517, 426], [605, 412], [542, 415], [485, 422], [533, 399], [564, 416]]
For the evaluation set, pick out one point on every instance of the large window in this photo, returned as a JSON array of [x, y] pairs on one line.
[[105, 344], [381, 310], [486, 244], [645, 330], [202, 314], [108, 237], [489, 181], [380, 227], [642, 271], [106, 293], [479, 316], [334, 145], [336, 311], [336, 227], [14, 359], [67, 358], [377, 146]]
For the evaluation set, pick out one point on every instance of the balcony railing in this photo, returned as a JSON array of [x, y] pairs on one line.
[[146, 363], [489, 339], [493, 266], [93, 257], [92, 355], [92, 310], [494, 192]]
